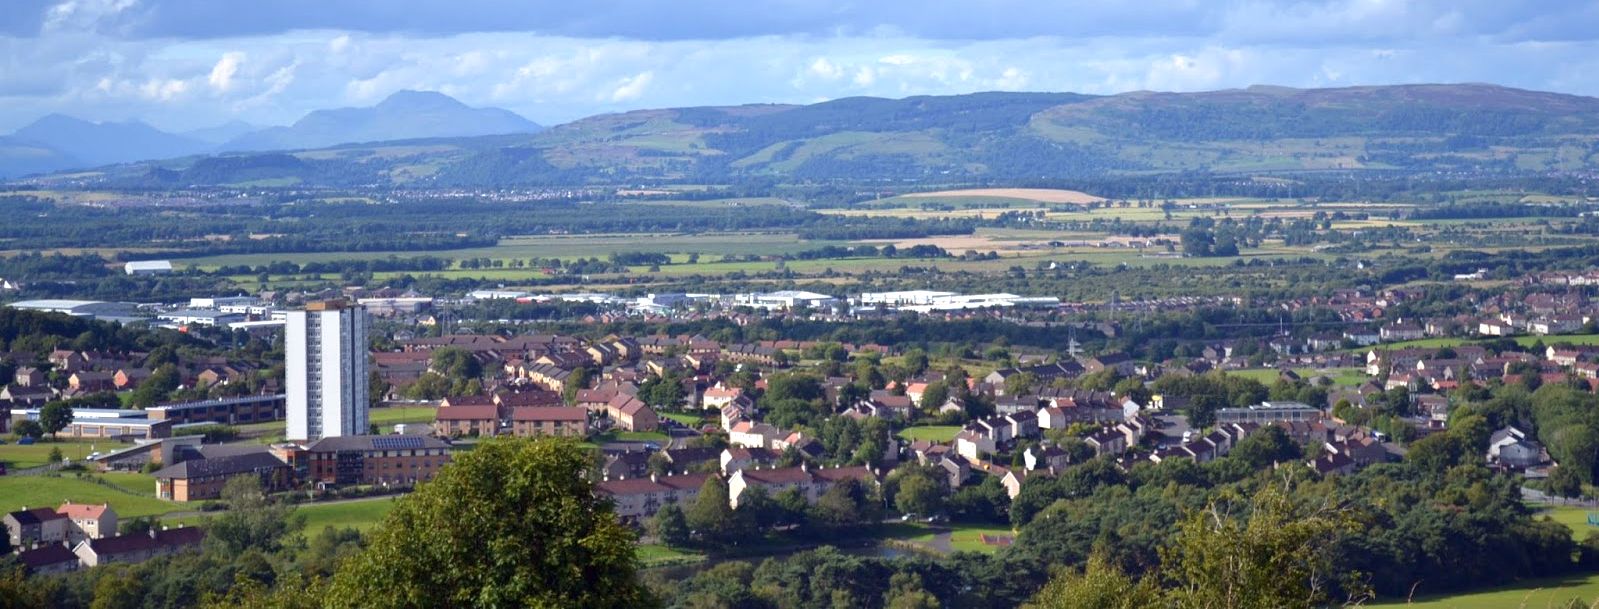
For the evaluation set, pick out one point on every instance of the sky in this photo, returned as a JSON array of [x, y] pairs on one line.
[[187, 64]]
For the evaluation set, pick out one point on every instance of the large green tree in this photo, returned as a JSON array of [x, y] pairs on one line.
[[55, 416], [513, 523], [253, 521]]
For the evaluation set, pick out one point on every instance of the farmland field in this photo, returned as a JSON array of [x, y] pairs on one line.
[[1044, 195], [565, 247]]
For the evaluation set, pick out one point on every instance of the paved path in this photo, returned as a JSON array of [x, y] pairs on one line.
[[1537, 496]]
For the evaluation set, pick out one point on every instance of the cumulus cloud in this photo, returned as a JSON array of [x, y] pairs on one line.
[[822, 68], [221, 78], [163, 90], [153, 59], [632, 87]]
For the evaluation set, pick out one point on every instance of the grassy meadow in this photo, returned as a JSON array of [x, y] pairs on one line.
[[121, 491], [20, 456], [1546, 593]]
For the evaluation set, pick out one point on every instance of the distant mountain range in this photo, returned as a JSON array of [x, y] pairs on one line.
[[58, 142], [1000, 137]]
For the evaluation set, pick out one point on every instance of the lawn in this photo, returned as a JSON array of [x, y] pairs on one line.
[[136, 483], [17, 492], [689, 420], [359, 515], [962, 537], [1264, 375], [1341, 377], [22, 457], [931, 433], [393, 415], [1574, 517], [1531, 594], [641, 436]]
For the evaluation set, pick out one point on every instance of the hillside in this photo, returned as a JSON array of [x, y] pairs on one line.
[[1010, 137]]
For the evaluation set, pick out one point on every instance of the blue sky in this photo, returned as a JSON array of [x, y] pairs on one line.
[[183, 64]]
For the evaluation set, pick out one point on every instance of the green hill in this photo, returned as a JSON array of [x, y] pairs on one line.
[[984, 136]]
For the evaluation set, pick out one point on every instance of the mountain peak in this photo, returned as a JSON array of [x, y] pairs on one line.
[[404, 114], [409, 98]]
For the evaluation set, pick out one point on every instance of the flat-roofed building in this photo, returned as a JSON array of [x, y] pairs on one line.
[[1270, 412], [148, 267], [325, 348], [375, 459], [229, 411]]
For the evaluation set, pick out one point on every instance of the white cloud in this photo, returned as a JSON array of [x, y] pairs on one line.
[[1011, 79], [822, 68], [275, 79], [865, 76], [221, 78], [163, 90], [71, 15], [632, 87]]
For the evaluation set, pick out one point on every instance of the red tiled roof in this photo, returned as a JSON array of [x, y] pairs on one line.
[[81, 511], [468, 413], [548, 413], [469, 400]]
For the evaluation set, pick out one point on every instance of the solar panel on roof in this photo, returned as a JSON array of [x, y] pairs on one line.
[[397, 443]]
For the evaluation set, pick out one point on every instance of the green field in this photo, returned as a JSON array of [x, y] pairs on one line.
[[136, 483], [393, 415], [1264, 375], [633, 436], [565, 247], [930, 433], [1525, 341], [1575, 518], [962, 537], [684, 418], [359, 515], [50, 491], [22, 457], [1550, 593], [1341, 377], [656, 555]]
